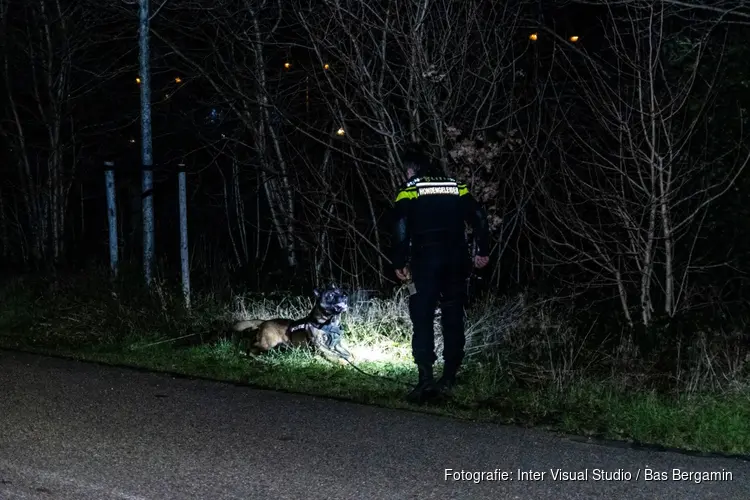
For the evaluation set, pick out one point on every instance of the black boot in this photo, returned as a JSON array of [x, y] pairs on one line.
[[448, 379], [424, 389]]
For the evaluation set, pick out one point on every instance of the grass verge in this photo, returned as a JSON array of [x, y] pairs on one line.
[[522, 367]]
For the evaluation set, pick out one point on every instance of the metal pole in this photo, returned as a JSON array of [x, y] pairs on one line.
[[184, 257], [109, 177], [146, 144]]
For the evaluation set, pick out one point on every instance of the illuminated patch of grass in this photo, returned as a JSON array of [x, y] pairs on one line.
[[523, 368]]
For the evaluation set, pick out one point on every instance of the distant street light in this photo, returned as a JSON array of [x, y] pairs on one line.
[[178, 80], [287, 65], [325, 66], [533, 37], [340, 131], [138, 80], [574, 38]]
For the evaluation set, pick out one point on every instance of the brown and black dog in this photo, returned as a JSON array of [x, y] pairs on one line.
[[320, 330]]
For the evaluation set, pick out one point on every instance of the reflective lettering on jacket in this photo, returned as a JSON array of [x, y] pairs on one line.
[[430, 188]]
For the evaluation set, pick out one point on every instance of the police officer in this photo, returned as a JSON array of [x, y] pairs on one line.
[[430, 248]]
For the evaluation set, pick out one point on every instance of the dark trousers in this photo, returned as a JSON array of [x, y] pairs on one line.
[[438, 279]]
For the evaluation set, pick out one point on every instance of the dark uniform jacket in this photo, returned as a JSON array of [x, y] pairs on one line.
[[430, 215]]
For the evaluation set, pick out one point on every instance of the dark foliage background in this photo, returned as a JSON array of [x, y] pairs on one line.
[[563, 141]]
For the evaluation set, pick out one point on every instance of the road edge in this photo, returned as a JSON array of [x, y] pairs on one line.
[[589, 440]]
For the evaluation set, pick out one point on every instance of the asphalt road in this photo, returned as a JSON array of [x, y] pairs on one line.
[[79, 431]]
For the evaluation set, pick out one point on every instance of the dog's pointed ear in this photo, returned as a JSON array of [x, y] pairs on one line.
[[316, 292]]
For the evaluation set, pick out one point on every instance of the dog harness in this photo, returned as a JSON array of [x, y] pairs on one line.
[[332, 332]]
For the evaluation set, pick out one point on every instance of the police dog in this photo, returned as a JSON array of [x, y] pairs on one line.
[[320, 330]]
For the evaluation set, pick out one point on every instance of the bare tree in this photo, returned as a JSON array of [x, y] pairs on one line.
[[731, 11], [406, 71], [237, 35], [44, 73], [628, 208], [425, 71]]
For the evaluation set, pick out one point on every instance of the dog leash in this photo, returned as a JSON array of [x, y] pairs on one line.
[[460, 406], [383, 377], [372, 375]]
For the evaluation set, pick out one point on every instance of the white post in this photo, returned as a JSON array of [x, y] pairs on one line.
[[109, 177], [184, 257], [147, 162]]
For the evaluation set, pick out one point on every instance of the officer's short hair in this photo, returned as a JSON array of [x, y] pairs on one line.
[[415, 157]]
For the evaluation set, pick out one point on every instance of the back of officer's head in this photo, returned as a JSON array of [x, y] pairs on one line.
[[416, 162]]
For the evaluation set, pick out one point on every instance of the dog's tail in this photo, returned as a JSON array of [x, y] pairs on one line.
[[248, 324]]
